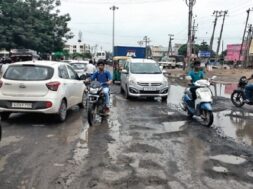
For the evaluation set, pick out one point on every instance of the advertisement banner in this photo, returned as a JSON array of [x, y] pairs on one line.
[[251, 48], [233, 52]]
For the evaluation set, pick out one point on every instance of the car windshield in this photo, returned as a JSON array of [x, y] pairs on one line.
[[78, 66], [28, 73], [145, 68]]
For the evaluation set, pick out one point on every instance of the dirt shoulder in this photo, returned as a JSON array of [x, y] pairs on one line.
[[223, 75]]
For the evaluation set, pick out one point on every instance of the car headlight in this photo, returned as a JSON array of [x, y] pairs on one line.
[[132, 81], [165, 82]]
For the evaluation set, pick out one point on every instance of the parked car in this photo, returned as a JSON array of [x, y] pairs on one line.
[[79, 66], [42, 87], [143, 78], [168, 62]]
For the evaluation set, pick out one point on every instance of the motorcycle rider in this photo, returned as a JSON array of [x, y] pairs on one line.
[[249, 91], [105, 78], [90, 68], [195, 74]]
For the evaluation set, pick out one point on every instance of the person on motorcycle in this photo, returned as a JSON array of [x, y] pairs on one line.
[[249, 91], [105, 78], [90, 68], [195, 74]]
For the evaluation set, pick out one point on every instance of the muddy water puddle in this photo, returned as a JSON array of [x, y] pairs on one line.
[[237, 125], [229, 159]]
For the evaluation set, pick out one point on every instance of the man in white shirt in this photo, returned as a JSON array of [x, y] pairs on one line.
[[90, 68]]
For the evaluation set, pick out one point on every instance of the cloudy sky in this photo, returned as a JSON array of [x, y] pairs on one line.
[[154, 18]]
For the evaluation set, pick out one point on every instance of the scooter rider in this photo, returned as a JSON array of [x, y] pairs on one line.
[[195, 74], [104, 77]]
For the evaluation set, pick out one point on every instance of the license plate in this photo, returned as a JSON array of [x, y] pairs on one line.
[[149, 89], [21, 105]]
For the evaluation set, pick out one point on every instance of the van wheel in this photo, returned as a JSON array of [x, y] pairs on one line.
[[5, 115], [62, 113]]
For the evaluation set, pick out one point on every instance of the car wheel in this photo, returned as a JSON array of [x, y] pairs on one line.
[[84, 100], [5, 115], [126, 93], [62, 113], [121, 90], [164, 99]]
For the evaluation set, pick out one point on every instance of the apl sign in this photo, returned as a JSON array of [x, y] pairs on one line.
[[131, 53]]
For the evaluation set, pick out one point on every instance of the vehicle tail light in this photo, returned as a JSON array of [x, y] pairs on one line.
[[48, 104], [1, 83], [53, 86]]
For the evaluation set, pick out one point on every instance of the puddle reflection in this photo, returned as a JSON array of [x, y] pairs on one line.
[[235, 124]]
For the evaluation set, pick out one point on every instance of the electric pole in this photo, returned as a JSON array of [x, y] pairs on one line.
[[217, 15], [249, 39], [244, 32], [146, 41], [170, 44], [113, 8], [190, 4], [219, 40], [194, 29]]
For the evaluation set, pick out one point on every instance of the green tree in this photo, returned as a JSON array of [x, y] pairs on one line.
[[33, 24]]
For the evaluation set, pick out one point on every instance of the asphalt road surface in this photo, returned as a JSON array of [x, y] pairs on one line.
[[143, 144]]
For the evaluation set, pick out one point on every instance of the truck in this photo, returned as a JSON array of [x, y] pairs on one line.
[[135, 52]]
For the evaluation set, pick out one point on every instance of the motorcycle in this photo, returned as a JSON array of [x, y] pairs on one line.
[[238, 97], [203, 103], [95, 102]]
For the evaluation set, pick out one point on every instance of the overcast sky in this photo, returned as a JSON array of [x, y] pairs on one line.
[[154, 18]]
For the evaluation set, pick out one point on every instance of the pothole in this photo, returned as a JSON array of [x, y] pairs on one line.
[[229, 159], [220, 169]]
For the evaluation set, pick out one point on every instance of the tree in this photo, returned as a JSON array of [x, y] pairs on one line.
[[33, 24], [183, 50]]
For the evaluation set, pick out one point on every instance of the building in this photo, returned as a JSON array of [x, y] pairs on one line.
[[233, 52], [158, 52], [176, 48], [77, 48]]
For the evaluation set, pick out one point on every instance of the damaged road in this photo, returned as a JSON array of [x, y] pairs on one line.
[[143, 144]]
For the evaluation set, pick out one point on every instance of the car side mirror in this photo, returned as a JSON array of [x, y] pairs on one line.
[[161, 67], [82, 77], [188, 78], [124, 71], [214, 77]]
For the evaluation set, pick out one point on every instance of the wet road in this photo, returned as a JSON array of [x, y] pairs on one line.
[[143, 144]]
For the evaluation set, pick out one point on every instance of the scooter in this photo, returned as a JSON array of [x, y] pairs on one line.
[[202, 107], [238, 97]]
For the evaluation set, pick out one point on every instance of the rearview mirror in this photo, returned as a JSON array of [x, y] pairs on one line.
[[124, 71], [82, 77], [188, 78]]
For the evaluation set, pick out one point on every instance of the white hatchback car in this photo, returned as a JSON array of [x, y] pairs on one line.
[[143, 78], [42, 87]]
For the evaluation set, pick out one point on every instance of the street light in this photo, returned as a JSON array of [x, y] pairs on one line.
[[113, 8]]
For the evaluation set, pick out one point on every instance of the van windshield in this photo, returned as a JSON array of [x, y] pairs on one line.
[[145, 68]]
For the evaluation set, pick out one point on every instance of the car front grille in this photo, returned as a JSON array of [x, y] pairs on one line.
[[149, 92], [149, 84]]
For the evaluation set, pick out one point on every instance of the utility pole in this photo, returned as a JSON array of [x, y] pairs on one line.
[[146, 41], [194, 29], [113, 8], [249, 39], [190, 4], [244, 32], [219, 40], [170, 44], [217, 15]]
